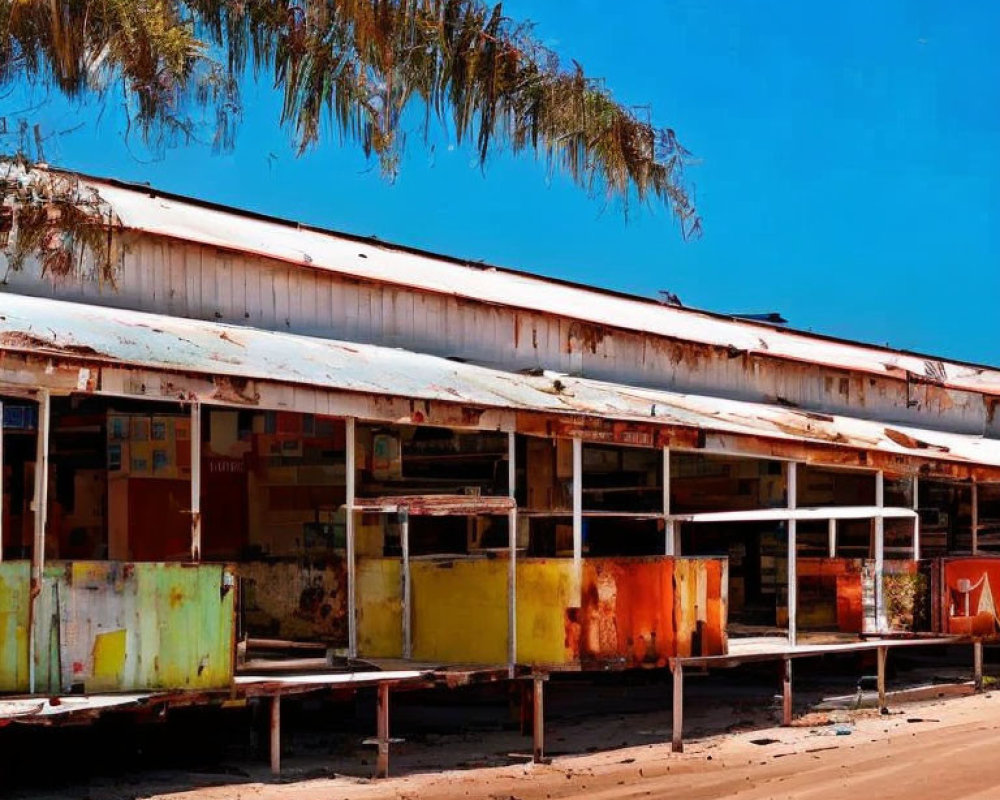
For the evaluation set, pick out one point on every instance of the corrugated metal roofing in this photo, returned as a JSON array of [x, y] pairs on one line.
[[77, 331], [148, 211]]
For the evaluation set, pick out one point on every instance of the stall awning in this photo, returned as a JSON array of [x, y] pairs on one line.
[[78, 333]]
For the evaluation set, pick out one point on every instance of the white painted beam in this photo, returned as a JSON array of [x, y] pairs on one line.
[[800, 514]]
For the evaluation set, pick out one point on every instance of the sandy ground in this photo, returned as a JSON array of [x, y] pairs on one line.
[[941, 749]]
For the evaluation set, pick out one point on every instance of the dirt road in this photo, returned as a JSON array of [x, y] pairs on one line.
[[942, 750]]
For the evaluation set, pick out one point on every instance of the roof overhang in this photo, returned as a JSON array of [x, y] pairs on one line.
[[72, 347]]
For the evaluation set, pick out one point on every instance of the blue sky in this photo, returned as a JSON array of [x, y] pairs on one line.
[[848, 167]]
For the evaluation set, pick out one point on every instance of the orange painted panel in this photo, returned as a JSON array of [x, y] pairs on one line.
[[969, 596], [642, 611]]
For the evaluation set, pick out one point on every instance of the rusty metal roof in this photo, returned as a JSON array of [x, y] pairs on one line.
[[150, 211], [75, 331]]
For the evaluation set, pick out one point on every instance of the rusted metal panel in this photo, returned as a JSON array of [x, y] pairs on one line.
[[296, 600], [643, 611], [830, 594], [968, 596], [114, 627], [438, 505]]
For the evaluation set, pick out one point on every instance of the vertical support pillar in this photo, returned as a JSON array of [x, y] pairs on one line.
[[672, 530], [669, 543], [578, 516], [512, 555], [382, 725], [879, 551], [677, 732], [793, 587], [40, 506], [786, 693], [538, 733], [404, 542], [882, 655], [977, 665], [352, 599], [196, 481], [975, 518], [1, 482], [916, 519], [832, 536], [276, 734]]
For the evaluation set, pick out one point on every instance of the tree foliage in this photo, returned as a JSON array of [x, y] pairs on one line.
[[355, 66]]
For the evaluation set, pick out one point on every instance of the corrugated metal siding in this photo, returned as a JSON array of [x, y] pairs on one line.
[[113, 626], [178, 279]]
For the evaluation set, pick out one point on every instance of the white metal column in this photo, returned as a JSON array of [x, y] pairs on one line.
[[40, 508], [578, 516], [196, 481], [793, 600], [831, 534], [670, 543], [879, 550], [975, 518], [916, 519], [512, 557], [349, 474]]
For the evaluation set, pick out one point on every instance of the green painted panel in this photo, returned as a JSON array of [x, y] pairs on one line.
[[14, 593], [111, 626]]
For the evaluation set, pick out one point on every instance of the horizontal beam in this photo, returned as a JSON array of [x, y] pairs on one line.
[[785, 514]]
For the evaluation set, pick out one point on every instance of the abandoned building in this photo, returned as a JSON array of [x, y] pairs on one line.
[[246, 457]]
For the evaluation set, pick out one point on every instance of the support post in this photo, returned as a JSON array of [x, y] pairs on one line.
[[404, 542], [882, 654], [578, 516], [382, 725], [40, 508], [677, 733], [916, 519], [879, 552], [793, 593], [538, 707], [1, 482], [196, 481], [276, 735], [512, 556], [977, 665], [975, 518], [352, 600], [832, 536], [786, 693], [669, 544]]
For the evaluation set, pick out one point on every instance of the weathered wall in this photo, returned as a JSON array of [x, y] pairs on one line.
[[113, 626], [380, 607], [295, 599], [627, 612], [194, 281]]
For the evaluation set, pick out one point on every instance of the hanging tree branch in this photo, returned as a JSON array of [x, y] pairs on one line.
[[358, 64]]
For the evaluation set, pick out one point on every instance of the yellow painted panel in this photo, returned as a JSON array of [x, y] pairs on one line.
[[459, 612], [380, 608], [544, 594], [109, 661]]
